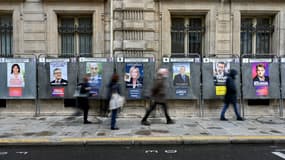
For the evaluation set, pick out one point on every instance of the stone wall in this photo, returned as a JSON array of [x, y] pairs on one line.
[[139, 28]]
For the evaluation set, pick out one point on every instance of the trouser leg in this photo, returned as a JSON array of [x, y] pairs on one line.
[[226, 105], [84, 105], [165, 109], [236, 110], [85, 111], [85, 115], [113, 118], [151, 108]]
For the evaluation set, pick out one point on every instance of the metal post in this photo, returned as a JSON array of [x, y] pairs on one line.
[[281, 90]]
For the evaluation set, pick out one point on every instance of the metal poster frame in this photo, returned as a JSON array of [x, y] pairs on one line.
[[209, 59]]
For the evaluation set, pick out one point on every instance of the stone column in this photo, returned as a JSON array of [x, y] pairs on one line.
[[34, 24], [224, 29]]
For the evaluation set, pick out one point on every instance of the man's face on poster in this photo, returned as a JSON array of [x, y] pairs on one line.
[[94, 69], [182, 70], [260, 72], [57, 74], [221, 68]]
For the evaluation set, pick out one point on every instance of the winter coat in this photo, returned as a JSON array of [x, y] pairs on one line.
[[85, 89], [158, 92], [231, 93], [113, 87]]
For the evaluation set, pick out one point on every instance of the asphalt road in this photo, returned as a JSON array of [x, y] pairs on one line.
[[146, 152]]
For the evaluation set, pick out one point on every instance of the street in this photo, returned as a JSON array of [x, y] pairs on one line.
[[145, 152]]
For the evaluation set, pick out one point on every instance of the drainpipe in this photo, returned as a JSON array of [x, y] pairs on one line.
[[111, 29]]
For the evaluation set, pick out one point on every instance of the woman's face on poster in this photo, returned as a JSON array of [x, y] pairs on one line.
[[15, 69], [135, 73]]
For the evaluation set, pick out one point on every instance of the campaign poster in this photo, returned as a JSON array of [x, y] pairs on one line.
[[15, 91], [57, 92], [134, 75], [181, 92], [95, 71], [220, 71], [134, 93], [260, 77], [58, 74], [15, 74], [181, 74]]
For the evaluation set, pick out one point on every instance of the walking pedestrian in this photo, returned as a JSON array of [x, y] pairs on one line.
[[113, 87], [231, 96], [83, 100], [158, 93]]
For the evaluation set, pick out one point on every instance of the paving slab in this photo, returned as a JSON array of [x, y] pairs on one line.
[[189, 130]]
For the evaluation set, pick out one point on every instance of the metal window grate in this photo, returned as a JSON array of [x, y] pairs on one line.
[[6, 36], [260, 33], [191, 33], [76, 33], [195, 32], [85, 36], [67, 31]]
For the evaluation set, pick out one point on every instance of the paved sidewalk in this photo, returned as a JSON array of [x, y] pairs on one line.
[[70, 130]]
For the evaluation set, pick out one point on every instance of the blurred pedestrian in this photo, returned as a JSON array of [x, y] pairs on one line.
[[158, 93], [113, 87], [231, 96], [83, 100]]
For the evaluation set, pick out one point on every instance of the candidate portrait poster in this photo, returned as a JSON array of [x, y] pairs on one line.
[[94, 69], [260, 77], [15, 74], [181, 74], [58, 73], [134, 75], [220, 71]]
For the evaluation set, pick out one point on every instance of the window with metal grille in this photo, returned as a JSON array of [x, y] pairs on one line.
[[256, 34], [75, 36], [186, 35], [6, 35]]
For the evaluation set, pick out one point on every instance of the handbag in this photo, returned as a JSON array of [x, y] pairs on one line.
[[77, 92], [117, 101]]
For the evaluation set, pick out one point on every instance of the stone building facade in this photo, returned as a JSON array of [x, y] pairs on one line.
[[139, 28]]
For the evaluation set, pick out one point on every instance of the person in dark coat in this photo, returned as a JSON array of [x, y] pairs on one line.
[[158, 93], [231, 96], [113, 87], [83, 101]]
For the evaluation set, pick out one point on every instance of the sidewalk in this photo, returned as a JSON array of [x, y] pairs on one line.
[[71, 130]]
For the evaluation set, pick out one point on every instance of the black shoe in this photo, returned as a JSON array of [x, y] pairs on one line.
[[87, 122], [240, 119], [146, 123], [115, 128], [223, 119], [170, 121]]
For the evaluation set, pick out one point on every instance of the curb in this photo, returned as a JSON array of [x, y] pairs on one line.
[[178, 140]]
